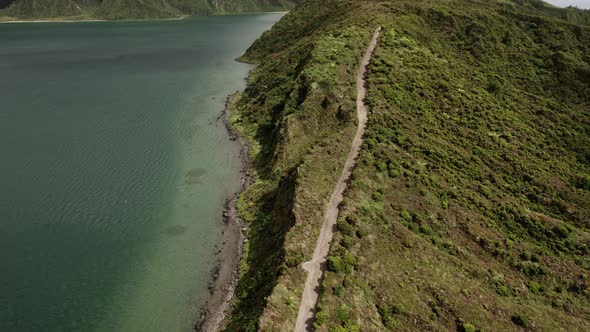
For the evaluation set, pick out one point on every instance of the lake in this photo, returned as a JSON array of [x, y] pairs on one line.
[[114, 169]]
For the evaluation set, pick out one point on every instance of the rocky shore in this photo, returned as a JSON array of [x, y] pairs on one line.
[[224, 275]]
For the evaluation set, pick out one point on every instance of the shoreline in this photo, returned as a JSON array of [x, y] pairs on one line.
[[179, 18], [224, 275], [49, 20]]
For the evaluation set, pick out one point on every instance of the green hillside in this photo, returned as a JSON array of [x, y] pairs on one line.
[[136, 9], [469, 206]]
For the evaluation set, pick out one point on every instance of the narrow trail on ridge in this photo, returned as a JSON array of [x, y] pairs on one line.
[[316, 267]]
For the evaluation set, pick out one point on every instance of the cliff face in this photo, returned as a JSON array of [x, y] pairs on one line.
[[121, 9], [469, 206]]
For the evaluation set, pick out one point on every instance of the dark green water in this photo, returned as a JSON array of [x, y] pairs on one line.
[[112, 170]]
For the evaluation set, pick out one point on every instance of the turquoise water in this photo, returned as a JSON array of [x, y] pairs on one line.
[[113, 171]]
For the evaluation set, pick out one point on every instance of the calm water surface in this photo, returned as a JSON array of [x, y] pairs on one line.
[[112, 170]]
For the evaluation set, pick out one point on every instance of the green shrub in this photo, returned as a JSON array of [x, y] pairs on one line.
[[503, 290], [425, 229], [386, 317], [531, 269], [320, 317], [352, 327], [349, 261], [520, 320], [561, 231], [377, 196], [361, 233], [405, 216], [485, 191], [525, 256], [534, 286], [343, 226], [398, 309], [393, 172], [293, 260], [494, 85], [335, 264], [347, 241], [348, 281], [466, 327], [342, 313], [444, 202], [583, 182]]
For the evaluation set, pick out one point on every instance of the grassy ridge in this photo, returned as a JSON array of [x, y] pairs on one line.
[[136, 9], [471, 180], [469, 207], [297, 111]]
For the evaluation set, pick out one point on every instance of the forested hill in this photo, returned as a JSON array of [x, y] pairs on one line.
[[469, 205], [132, 9]]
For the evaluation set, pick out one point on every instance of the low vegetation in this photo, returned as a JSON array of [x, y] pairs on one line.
[[469, 206]]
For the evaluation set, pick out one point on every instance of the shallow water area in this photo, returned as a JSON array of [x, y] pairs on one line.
[[113, 171]]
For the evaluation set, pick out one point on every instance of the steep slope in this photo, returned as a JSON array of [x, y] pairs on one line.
[[469, 205], [120, 9], [48, 8], [142, 9]]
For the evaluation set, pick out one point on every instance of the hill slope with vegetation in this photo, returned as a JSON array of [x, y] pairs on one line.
[[135, 9], [469, 205]]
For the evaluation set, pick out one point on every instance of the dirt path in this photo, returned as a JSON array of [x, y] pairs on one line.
[[316, 267]]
